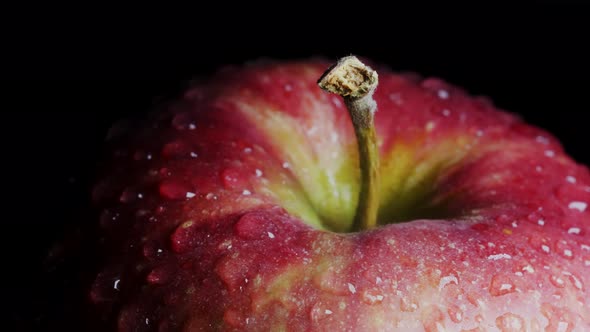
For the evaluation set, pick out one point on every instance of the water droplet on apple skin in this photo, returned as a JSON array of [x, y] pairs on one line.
[[575, 281], [234, 270], [109, 218], [455, 313], [152, 250], [183, 121], [250, 226], [187, 236], [128, 195], [564, 249], [139, 155], [232, 179], [174, 190], [320, 311], [234, 318], [160, 275], [501, 285], [176, 149], [372, 297], [106, 286], [510, 322], [433, 319], [408, 304], [560, 319], [557, 281], [541, 244]]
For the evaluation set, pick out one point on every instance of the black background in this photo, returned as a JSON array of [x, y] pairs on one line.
[[68, 77]]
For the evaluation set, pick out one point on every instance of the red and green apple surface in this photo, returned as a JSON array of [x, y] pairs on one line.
[[230, 209]]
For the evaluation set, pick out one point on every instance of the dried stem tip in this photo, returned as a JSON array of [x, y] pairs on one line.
[[349, 78]]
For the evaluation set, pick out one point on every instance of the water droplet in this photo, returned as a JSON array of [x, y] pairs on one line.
[[549, 153], [271, 235], [128, 195], [542, 139], [540, 243], [577, 205], [230, 178], [499, 257], [175, 149], [510, 322], [429, 126], [159, 276], [175, 190], [141, 213], [455, 313], [182, 121], [443, 94], [574, 230], [185, 237], [225, 245], [444, 281], [575, 280], [108, 218], [210, 196], [557, 281], [258, 173], [396, 98], [247, 150], [246, 192], [408, 305], [106, 287], [234, 318], [194, 155], [286, 165], [165, 172], [560, 319], [564, 249], [372, 297], [570, 179], [433, 319], [501, 285], [138, 155], [319, 312], [351, 288], [249, 226], [152, 250]]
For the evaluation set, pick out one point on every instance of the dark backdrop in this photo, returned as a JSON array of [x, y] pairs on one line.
[[68, 77]]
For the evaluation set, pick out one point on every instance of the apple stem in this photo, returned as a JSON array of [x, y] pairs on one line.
[[355, 83]]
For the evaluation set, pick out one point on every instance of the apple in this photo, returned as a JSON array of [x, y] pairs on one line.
[[305, 196]]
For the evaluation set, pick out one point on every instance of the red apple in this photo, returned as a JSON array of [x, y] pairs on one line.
[[236, 208]]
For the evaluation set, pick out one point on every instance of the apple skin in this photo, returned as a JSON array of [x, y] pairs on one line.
[[227, 209]]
